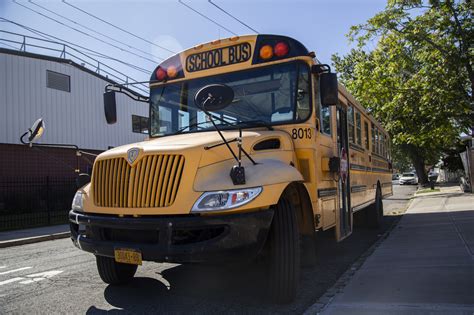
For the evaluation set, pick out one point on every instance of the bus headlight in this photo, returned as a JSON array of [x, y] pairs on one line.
[[227, 199], [77, 201]]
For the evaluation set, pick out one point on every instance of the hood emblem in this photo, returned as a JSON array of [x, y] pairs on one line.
[[132, 155]]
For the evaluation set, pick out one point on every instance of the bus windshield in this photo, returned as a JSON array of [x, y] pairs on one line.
[[277, 94]]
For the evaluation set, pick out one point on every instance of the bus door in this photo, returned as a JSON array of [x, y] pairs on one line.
[[343, 212]]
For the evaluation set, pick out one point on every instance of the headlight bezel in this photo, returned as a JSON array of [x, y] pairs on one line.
[[253, 192], [78, 201]]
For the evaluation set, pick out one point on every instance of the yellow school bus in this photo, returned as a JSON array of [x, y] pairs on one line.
[[253, 147]]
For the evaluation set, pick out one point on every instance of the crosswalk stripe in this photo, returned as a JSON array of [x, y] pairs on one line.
[[14, 270], [11, 280]]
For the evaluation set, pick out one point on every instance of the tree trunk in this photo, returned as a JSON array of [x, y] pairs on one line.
[[419, 165]]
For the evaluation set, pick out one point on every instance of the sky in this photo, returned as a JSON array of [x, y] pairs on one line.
[[321, 25]]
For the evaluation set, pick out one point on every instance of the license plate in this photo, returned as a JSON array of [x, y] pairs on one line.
[[128, 256]]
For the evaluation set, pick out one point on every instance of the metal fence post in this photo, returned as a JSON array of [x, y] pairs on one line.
[[48, 202]]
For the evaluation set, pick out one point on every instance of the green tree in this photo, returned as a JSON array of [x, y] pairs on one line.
[[418, 79]]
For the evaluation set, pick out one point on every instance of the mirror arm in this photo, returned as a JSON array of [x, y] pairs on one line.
[[22, 136], [127, 92], [80, 152], [321, 68], [222, 136]]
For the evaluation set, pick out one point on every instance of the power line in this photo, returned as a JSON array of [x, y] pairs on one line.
[[119, 28], [92, 30], [86, 34], [206, 17], [62, 41], [241, 22], [1, 43]]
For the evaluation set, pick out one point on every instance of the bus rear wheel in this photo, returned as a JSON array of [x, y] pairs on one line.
[[284, 253], [375, 211], [112, 272]]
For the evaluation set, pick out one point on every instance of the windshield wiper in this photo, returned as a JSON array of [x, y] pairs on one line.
[[197, 124], [254, 123]]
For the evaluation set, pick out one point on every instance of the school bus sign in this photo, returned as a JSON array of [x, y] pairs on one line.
[[218, 57]]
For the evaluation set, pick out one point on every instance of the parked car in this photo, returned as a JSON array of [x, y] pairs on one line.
[[408, 178], [395, 176]]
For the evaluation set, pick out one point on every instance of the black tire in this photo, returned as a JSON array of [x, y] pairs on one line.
[[284, 253], [112, 272], [375, 211]]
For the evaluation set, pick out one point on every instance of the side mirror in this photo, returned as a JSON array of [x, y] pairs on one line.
[[36, 131], [214, 97], [110, 107], [328, 88]]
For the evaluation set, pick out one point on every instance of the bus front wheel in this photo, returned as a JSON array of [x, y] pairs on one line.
[[112, 272], [284, 253]]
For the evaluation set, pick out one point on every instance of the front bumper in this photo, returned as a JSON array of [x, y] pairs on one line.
[[409, 182], [180, 239]]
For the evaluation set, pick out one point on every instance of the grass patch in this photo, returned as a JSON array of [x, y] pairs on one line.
[[427, 191]]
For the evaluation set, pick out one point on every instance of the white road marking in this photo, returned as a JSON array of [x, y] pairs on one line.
[[14, 270], [11, 280], [41, 276], [3, 267]]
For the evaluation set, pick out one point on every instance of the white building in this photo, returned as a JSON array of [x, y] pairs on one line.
[[69, 98]]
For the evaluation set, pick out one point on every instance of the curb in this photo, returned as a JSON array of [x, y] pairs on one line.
[[34, 239], [340, 283]]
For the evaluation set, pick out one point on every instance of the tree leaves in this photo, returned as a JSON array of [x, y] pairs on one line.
[[418, 79]]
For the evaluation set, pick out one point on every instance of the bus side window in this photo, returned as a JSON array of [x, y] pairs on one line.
[[366, 138], [358, 128], [303, 97], [374, 144], [350, 121], [325, 120]]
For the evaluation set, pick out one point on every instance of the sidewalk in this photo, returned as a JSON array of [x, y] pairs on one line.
[[425, 266], [28, 236]]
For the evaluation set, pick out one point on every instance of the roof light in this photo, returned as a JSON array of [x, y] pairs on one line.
[[171, 72], [281, 49], [160, 74], [266, 52]]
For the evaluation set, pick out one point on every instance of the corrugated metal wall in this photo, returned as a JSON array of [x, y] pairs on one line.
[[75, 117]]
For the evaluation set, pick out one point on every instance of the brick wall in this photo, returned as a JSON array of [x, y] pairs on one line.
[[23, 161]]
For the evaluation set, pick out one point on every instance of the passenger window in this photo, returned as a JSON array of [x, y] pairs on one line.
[[359, 129], [350, 121], [374, 145], [366, 130]]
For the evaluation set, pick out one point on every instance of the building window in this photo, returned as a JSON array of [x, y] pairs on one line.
[[358, 128], [350, 120], [139, 124], [58, 81], [366, 130]]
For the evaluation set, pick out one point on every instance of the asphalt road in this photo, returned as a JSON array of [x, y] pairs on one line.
[[54, 277]]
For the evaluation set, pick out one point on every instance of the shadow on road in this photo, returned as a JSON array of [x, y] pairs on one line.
[[238, 288]]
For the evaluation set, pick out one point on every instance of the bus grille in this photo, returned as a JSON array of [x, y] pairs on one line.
[[152, 182]]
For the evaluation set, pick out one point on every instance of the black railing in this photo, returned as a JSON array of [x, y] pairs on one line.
[[32, 202]]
